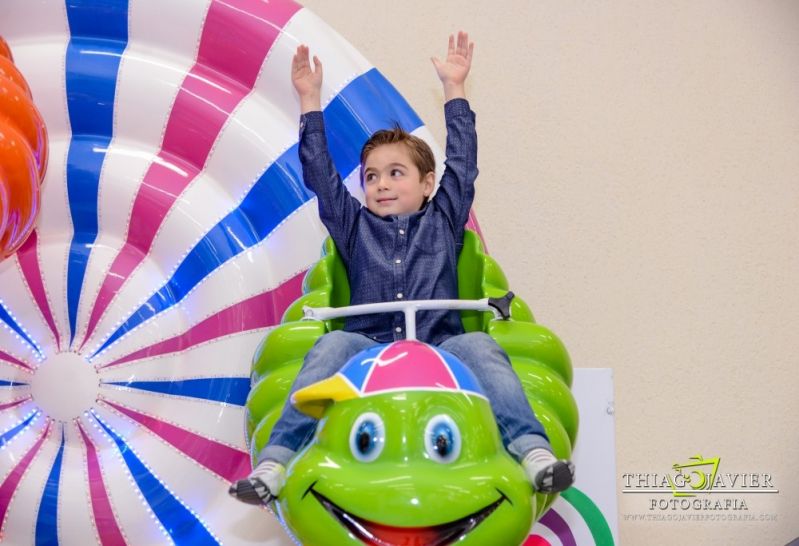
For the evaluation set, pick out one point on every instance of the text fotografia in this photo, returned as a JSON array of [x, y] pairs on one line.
[[698, 485]]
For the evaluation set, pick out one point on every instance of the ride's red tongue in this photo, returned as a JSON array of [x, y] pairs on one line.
[[384, 535]]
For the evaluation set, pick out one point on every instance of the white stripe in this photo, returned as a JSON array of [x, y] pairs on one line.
[[197, 487], [263, 267], [20, 523], [134, 517], [38, 38], [339, 68], [18, 374], [152, 28], [12, 417], [12, 395], [75, 518], [17, 299], [228, 356], [28, 21], [53, 255], [12, 343], [221, 422]]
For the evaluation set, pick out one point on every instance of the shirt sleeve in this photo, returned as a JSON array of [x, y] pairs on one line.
[[338, 210], [455, 193]]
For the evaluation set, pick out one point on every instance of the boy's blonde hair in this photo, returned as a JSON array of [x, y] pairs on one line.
[[421, 154]]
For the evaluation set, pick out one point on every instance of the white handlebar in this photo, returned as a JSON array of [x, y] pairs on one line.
[[409, 308]]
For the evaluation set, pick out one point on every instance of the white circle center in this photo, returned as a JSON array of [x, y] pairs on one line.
[[65, 385]]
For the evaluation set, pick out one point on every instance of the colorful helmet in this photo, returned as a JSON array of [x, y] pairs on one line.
[[398, 366]]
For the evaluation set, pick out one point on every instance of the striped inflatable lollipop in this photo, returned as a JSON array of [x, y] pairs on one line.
[[174, 230]]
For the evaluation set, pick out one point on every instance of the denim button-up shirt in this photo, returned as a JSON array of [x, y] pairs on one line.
[[396, 258]]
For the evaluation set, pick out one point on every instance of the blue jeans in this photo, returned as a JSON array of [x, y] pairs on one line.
[[518, 426]]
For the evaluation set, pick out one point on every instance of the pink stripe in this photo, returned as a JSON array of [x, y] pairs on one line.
[[14, 403], [236, 37], [11, 360], [9, 486], [257, 312], [474, 226], [29, 262], [228, 462], [104, 520]]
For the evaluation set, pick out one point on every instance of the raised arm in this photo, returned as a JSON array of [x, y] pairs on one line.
[[456, 190], [338, 209]]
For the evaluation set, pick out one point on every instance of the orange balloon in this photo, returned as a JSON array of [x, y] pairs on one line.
[[23, 156], [18, 109], [3, 203], [21, 179], [9, 71], [5, 51]]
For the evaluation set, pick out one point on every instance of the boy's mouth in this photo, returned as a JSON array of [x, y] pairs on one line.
[[385, 200]]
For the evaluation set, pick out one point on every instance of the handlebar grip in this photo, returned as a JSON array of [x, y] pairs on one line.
[[502, 305]]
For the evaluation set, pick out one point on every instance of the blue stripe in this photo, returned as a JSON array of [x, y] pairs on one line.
[[230, 390], [6, 317], [9, 434], [99, 35], [182, 525], [367, 104], [11, 383], [47, 519]]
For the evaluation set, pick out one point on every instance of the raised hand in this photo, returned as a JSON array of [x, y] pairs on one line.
[[306, 80], [453, 70]]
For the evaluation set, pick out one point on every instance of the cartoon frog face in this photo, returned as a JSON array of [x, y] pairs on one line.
[[405, 465]]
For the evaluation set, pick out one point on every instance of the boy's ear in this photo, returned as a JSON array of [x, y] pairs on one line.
[[429, 182]]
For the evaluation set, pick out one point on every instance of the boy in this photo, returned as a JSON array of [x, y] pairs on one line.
[[402, 245]]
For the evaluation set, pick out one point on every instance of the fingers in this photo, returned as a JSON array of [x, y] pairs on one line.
[[464, 47], [301, 60], [317, 65], [463, 43], [460, 46]]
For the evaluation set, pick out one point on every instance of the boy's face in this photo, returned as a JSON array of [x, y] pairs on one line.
[[392, 183]]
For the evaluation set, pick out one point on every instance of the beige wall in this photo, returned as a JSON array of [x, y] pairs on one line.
[[639, 185]]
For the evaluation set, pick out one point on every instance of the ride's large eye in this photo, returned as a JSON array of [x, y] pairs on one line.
[[442, 439], [367, 437]]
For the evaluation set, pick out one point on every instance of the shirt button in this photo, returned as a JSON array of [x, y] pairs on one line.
[[399, 295], [402, 232], [398, 330], [397, 261]]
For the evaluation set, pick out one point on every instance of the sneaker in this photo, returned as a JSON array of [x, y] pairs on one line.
[[555, 478], [262, 486], [251, 491], [546, 473]]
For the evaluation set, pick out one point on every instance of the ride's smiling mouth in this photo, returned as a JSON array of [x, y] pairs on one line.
[[378, 534]]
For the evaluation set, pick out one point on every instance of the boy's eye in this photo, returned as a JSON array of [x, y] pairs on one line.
[[396, 172], [370, 177]]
